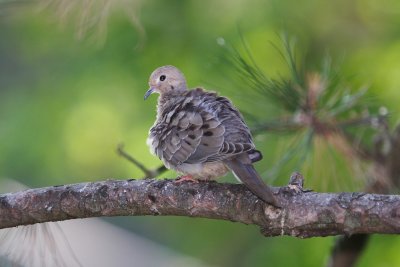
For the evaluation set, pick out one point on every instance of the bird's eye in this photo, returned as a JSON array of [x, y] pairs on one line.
[[162, 77]]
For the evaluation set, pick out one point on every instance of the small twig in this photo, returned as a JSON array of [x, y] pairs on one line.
[[160, 170], [148, 173], [375, 121], [290, 124]]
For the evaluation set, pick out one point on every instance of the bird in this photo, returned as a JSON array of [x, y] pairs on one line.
[[201, 134]]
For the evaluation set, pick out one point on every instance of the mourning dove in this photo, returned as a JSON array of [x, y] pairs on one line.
[[201, 134]]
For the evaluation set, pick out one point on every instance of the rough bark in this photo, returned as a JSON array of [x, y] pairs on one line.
[[304, 214]]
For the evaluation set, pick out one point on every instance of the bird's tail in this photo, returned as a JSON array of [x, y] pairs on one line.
[[255, 155], [249, 177]]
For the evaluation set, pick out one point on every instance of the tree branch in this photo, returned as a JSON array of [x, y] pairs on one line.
[[147, 172], [304, 214]]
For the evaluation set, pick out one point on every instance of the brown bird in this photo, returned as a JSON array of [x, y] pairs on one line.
[[201, 134]]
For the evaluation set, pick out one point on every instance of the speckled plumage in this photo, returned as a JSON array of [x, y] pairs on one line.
[[201, 134]]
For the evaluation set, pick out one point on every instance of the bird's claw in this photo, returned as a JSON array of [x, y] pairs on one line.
[[184, 178]]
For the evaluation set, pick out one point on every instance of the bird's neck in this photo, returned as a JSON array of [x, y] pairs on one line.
[[169, 98]]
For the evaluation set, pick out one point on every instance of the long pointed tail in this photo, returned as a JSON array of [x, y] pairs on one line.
[[249, 176]]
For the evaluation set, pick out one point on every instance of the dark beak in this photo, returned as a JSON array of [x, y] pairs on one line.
[[148, 93]]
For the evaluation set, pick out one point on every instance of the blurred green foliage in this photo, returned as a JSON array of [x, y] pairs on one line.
[[72, 83]]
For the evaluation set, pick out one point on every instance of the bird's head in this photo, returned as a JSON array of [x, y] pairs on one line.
[[166, 79]]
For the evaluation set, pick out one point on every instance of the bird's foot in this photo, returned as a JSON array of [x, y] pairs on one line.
[[184, 178]]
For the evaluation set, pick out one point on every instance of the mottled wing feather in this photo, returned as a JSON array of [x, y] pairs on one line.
[[199, 127], [192, 140]]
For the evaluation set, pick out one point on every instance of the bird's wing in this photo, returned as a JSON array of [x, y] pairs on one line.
[[189, 137], [201, 129]]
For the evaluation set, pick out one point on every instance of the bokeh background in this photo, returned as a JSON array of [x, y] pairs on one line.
[[73, 75]]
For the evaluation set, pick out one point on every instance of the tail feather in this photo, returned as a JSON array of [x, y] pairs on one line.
[[255, 155], [249, 177]]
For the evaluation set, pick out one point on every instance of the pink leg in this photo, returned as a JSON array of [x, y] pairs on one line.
[[184, 178]]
